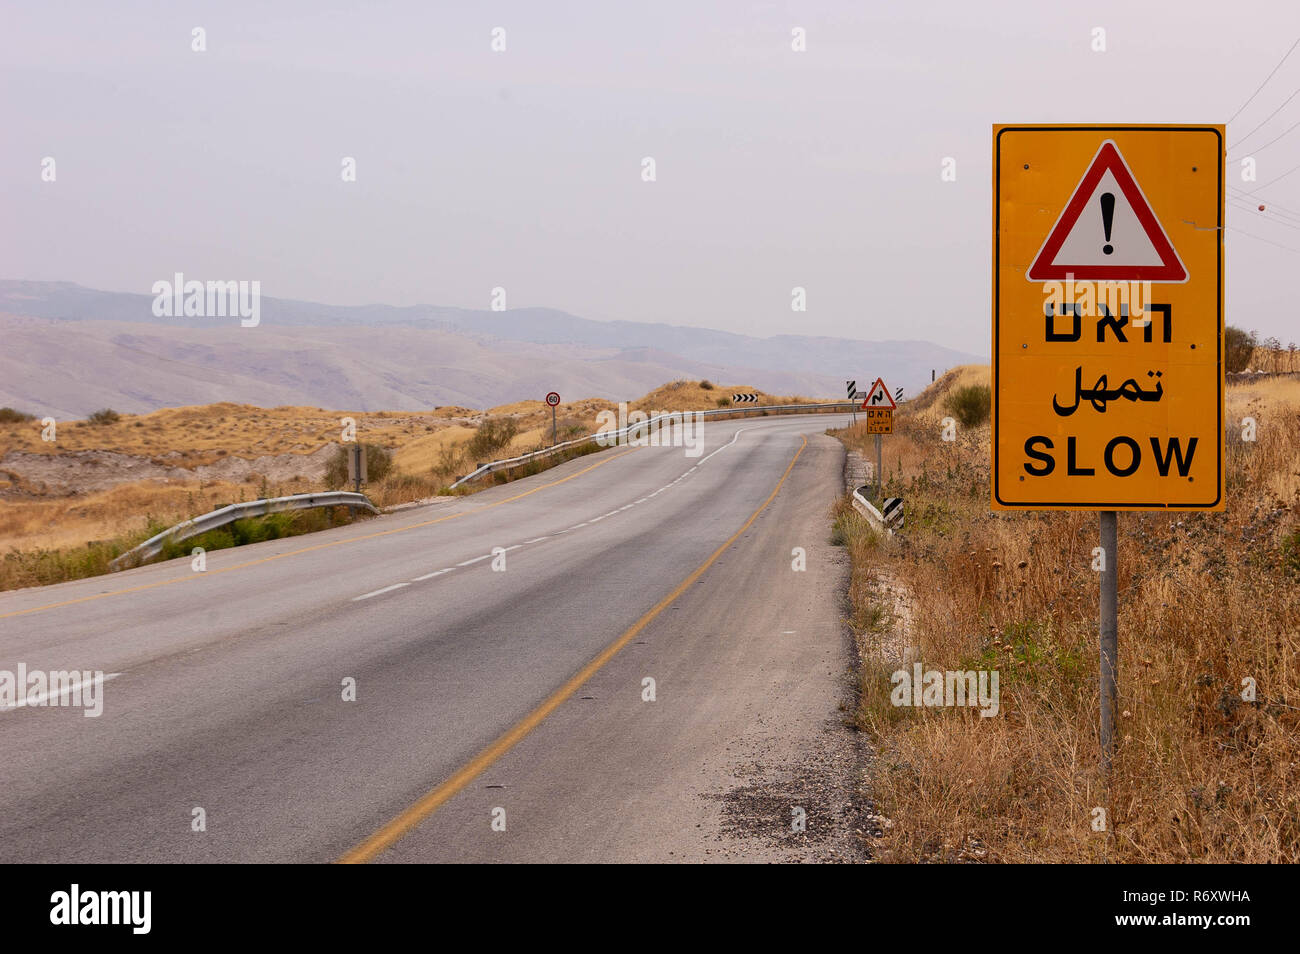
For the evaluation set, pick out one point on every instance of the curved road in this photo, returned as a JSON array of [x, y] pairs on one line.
[[484, 694]]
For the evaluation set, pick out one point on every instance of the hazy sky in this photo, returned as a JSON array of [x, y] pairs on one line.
[[522, 169]]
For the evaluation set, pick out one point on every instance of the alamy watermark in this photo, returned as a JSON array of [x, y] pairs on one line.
[[936, 688], [77, 906], [194, 299], [70, 688]]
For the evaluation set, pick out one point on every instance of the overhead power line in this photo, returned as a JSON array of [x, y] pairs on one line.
[[1257, 151], [1259, 238], [1275, 179], [1266, 119], [1265, 83], [1282, 221]]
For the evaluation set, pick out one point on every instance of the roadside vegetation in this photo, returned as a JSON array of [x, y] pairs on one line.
[[41, 567], [1245, 351], [104, 416], [970, 404], [1207, 600]]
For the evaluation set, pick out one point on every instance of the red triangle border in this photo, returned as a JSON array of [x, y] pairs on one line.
[[1108, 158]]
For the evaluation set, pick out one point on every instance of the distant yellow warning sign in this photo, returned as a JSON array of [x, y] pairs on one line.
[[880, 420], [1108, 317]]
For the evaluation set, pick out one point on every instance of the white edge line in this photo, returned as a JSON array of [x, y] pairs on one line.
[[366, 596], [733, 440], [429, 576]]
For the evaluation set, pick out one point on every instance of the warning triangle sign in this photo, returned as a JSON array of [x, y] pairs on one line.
[[1107, 231], [878, 396]]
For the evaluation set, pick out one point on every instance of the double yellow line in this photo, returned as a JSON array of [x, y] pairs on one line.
[[386, 836]]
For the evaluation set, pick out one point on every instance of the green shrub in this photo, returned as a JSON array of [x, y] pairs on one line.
[[1239, 346], [494, 434], [105, 416], [1290, 551], [9, 416], [706, 385], [970, 405]]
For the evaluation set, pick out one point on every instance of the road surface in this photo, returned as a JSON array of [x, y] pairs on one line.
[[487, 697]]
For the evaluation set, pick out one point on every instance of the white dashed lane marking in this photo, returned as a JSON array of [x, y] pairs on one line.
[[366, 596], [430, 576], [576, 526]]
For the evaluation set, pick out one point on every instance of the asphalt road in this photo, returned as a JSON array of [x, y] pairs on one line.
[[513, 696]]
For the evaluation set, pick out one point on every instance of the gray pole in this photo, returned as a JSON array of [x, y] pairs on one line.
[[878, 469], [553, 438], [356, 465], [1109, 633]]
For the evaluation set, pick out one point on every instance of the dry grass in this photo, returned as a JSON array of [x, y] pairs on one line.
[[76, 521], [1205, 601], [1281, 360]]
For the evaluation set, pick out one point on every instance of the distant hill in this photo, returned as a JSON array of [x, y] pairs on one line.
[[70, 350]]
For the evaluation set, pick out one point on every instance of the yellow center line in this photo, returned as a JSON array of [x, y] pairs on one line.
[[318, 546], [389, 834]]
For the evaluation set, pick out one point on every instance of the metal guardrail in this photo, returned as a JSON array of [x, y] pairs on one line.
[[632, 429], [219, 518]]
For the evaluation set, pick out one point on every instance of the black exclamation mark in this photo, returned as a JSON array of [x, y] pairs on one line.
[[1107, 216]]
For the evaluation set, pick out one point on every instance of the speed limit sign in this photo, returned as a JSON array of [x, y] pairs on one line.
[[553, 399]]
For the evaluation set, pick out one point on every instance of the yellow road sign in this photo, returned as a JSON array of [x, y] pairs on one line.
[[1108, 317], [880, 420]]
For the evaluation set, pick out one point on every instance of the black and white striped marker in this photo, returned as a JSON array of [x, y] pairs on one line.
[[744, 399]]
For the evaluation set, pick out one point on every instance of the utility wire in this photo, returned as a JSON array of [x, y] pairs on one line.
[[1285, 223], [1262, 239], [1265, 83], [1255, 152], [1266, 119], [1235, 193], [1277, 179]]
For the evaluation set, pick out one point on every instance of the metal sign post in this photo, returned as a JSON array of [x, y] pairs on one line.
[[356, 466], [878, 467], [553, 399], [1109, 633]]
